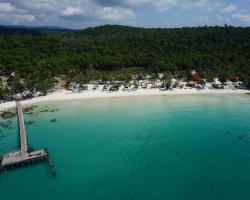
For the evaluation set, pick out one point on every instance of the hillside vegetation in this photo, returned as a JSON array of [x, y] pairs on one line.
[[40, 56]]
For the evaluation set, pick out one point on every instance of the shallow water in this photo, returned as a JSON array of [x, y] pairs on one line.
[[162, 147]]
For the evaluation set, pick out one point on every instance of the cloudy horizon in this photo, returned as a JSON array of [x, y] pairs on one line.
[[143, 13]]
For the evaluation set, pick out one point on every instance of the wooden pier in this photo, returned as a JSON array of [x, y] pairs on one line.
[[24, 157], [22, 131]]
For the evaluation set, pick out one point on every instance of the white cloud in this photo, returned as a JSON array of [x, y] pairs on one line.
[[13, 15], [223, 19], [213, 6], [114, 13], [69, 11], [16, 18], [24, 18], [6, 7], [91, 10], [157, 4], [242, 17], [39, 5], [229, 9]]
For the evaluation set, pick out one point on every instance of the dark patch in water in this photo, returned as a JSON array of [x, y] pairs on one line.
[[2, 136], [29, 109], [7, 124], [54, 110], [9, 114], [30, 113], [44, 109], [53, 120], [29, 122], [242, 136], [227, 132]]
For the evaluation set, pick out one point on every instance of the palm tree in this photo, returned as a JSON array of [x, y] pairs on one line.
[[154, 77], [166, 79], [136, 85]]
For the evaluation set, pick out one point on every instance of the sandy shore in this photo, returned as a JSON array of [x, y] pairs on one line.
[[68, 95]]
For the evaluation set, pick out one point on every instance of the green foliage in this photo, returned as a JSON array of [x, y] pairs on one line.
[[2, 93], [80, 79], [45, 85], [176, 84], [110, 52], [223, 78], [168, 84], [15, 85], [246, 82], [155, 77], [166, 77], [39, 81]]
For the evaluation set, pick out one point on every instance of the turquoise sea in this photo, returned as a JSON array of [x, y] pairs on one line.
[[183, 147]]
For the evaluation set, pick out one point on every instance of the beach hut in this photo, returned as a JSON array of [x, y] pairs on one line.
[[193, 72], [76, 88], [105, 88], [217, 84], [160, 75], [191, 84], [148, 76], [144, 85], [95, 87], [127, 87], [141, 77], [229, 85], [196, 77], [133, 76], [238, 85], [114, 88]]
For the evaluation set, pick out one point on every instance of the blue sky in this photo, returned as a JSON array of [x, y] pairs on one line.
[[144, 13]]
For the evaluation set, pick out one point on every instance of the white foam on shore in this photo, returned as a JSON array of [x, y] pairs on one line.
[[62, 95]]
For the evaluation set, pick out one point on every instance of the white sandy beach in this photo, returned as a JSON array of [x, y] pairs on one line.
[[62, 95]]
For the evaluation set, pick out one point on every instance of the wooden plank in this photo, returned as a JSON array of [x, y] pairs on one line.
[[16, 158], [22, 131]]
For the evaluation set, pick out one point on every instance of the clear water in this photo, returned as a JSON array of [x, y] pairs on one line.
[[162, 147]]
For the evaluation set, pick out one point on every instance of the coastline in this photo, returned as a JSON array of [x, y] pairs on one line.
[[63, 95]]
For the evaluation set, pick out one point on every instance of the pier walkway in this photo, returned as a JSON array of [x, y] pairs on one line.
[[22, 131], [23, 157]]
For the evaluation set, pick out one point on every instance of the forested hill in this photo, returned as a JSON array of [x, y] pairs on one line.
[[34, 31], [209, 50], [205, 48], [109, 31], [4, 30]]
